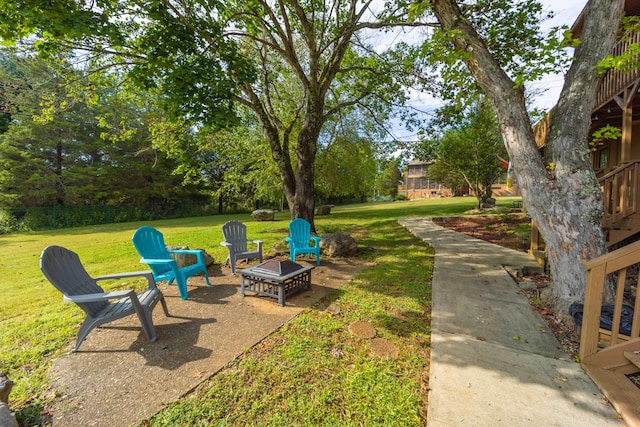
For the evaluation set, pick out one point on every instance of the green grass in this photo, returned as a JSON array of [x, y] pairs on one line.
[[353, 389]]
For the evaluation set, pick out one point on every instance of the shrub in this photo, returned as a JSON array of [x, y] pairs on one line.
[[8, 223]]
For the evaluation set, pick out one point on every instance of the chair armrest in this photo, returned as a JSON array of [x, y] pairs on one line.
[[316, 239], [186, 251], [257, 242], [288, 240], [102, 296], [146, 274], [151, 261], [226, 244]]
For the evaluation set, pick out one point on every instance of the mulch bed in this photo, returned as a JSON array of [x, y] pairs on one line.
[[503, 230]]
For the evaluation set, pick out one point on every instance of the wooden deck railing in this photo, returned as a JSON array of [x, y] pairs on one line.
[[612, 266], [620, 189], [615, 80]]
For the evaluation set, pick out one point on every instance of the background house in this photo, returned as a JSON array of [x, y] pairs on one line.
[[416, 185]]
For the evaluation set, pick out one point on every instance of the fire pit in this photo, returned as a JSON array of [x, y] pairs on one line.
[[277, 278]]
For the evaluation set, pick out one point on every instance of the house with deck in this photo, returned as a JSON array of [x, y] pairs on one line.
[[610, 331]]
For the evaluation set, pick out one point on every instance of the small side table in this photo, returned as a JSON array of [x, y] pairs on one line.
[[277, 278]]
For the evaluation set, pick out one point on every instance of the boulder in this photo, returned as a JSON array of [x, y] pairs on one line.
[[6, 416], [338, 244], [188, 259], [5, 387], [323, 210], [7, 419], [263, 215], [490, 203], [208, 259]]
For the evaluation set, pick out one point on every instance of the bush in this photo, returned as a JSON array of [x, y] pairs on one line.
[[8, 223], [40, 218], [401, 197]]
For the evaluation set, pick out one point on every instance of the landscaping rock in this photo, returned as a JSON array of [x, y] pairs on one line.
[[278, 250], [5, 388], [362, 329], [184, 260], [490, 203], [384, 348], [338, 244], [7, 419], [323, 210], [6, 416], [333, 309], [263, 215]]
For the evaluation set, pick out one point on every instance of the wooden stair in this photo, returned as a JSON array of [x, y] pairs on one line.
[[626, 228], [623, 394], [620, 189], [609, 369], [633, 357]]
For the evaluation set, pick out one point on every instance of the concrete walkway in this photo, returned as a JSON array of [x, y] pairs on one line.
[[494, 361]]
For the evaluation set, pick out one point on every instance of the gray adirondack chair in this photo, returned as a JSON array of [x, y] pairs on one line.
[[64, 270], [235, 240]]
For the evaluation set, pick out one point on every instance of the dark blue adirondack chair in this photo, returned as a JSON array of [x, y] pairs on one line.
[[64, 270], [300, 239], [149, 243]]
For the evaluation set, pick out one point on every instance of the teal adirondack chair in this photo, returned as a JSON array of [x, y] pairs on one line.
[[300, 239], [149, 243]]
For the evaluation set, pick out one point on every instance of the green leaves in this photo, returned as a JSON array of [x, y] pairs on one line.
[[511, 32], [604, 134]]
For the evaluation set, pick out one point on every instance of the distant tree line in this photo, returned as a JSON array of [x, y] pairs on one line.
[[110, 150]]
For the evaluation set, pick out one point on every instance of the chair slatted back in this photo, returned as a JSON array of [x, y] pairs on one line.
[[235, 233], [64, 270], [300, 231], [149, 243]]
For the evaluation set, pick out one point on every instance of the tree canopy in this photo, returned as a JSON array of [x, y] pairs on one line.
[[79, 154], [294, 63]]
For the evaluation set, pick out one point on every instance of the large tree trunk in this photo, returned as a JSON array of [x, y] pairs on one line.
[[562, 195], [306, 154], [59, 184]]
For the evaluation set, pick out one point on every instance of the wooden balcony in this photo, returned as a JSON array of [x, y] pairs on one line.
[[608, 356], [621, 218], [619, 188], [616, 81]]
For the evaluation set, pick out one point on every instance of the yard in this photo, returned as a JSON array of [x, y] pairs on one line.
[[394, 295]]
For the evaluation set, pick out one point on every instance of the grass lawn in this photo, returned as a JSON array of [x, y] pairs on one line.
[[312, 371]]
